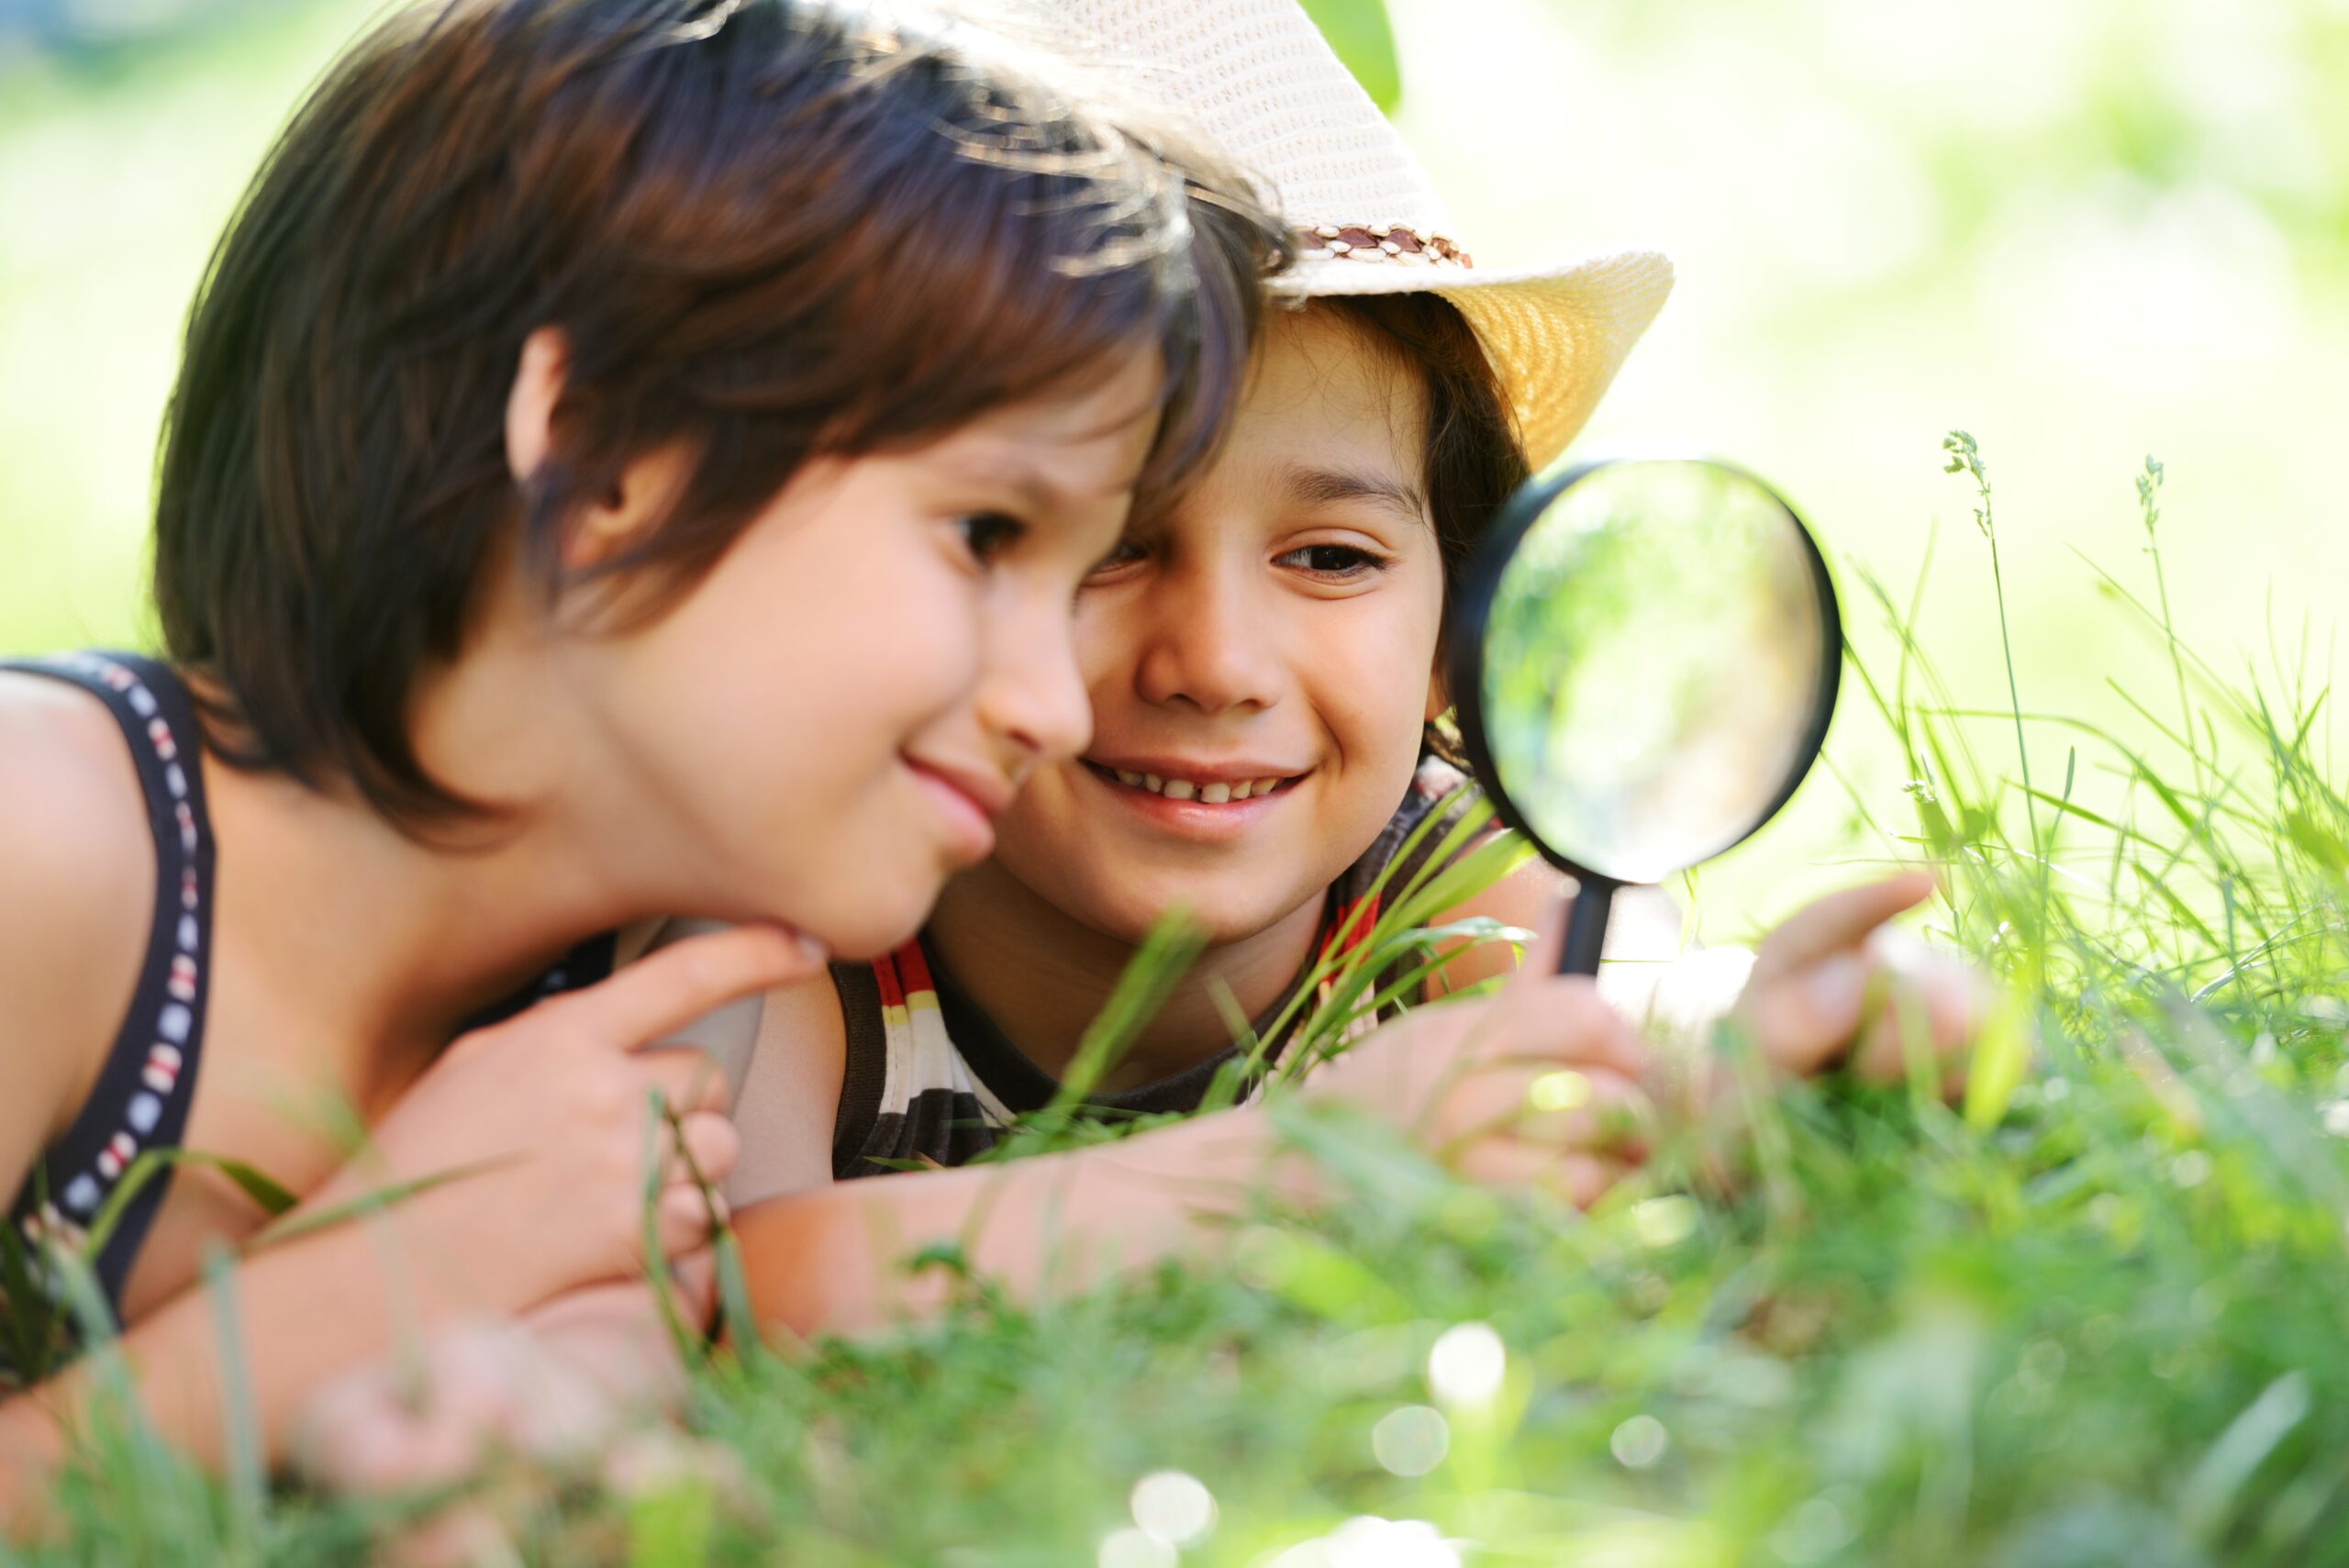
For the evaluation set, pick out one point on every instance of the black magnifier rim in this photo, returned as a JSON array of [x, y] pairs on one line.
[[1480, 585]]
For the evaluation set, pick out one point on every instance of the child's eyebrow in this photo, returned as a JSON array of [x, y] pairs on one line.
[[1038, 493], [1037, 489], [1315, 486]]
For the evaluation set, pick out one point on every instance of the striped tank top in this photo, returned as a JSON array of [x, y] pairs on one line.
[[929, 1079]]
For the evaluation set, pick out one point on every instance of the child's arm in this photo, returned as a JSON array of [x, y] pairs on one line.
[[547, 1114], [1804, 992], [309, 1309], [832, 1259]]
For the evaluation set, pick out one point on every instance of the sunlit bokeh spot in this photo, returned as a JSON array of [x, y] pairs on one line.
[[1135, 1549], [1411, 1441], [1173, 1506], [1639, 1442], [1813, 1531], [1665, 1221], [1565, 1090], [1369, 1542], [1466, 1365]]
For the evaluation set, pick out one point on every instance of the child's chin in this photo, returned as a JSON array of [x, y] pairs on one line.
[[1215, 921], [861, 939]]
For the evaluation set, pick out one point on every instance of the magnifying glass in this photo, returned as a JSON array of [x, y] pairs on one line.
[[1645, 666]]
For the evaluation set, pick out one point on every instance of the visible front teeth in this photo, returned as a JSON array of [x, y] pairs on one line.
[[1186, 789]]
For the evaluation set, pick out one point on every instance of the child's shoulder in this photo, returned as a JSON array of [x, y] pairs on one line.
[[76, 901], [73, 821]]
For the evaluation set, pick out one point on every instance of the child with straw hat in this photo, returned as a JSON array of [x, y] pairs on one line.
[[1262, 656]]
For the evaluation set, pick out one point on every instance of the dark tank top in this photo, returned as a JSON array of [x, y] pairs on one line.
[[139, 1105]]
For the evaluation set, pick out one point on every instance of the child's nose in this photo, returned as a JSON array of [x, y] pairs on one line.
[[1035, 698], [1207, 647]]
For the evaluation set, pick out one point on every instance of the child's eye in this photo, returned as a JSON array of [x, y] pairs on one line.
[[1335, 561], [1126, 553], [988, 534]]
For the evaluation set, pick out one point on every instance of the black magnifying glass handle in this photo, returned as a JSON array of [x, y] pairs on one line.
[[1586, 927]]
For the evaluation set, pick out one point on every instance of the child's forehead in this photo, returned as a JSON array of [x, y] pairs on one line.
[[1326, 392]]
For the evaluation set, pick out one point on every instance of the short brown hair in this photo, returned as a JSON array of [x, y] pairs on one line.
[[768, 229]]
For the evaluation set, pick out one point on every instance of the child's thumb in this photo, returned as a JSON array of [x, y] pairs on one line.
[[1805, 1020]]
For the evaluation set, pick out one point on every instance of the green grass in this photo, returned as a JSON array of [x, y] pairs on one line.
[[2096, 1320], [2101, 1323]]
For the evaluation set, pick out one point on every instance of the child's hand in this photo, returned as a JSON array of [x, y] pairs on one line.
[[552, 1389], [1539, 1084], [545, 1115], [496, 1415], [1834, 984]]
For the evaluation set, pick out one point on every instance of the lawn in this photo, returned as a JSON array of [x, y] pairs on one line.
[[2093, 1317]]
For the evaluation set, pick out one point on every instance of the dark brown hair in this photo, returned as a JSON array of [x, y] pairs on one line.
[[1472, 454], [768, 231]]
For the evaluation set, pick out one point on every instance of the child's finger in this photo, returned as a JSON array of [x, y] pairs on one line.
[[1945, 1003], [1550, 1107], [695, 1277], [666, 990], [1575, 1178], [710, 1142], [689, 1078], [1595, 1109], [1840, 920], [1806, 1017], [682, 1220], [1562, 1018]]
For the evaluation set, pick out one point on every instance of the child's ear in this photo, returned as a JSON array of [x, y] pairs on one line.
[[608, 523], [530, 405], [1438, 692]]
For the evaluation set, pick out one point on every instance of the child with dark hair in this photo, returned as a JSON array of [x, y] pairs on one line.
[[631, 458]]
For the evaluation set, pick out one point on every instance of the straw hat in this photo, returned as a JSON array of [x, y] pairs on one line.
[[1256, 77]]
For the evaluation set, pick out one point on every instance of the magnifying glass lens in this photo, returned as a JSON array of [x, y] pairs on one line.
[[1658, 662]]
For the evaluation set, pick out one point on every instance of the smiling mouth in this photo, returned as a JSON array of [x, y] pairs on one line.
[[1222, 792]]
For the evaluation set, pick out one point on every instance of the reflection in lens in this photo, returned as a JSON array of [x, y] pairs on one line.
[[1653, 665]]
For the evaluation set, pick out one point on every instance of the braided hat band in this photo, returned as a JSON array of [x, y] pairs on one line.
[[1379, 242]]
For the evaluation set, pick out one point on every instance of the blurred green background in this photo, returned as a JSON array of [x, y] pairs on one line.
[[2087, 231]]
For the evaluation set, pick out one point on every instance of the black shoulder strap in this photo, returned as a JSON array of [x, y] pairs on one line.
[[142, 1097], [865, 1071]]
